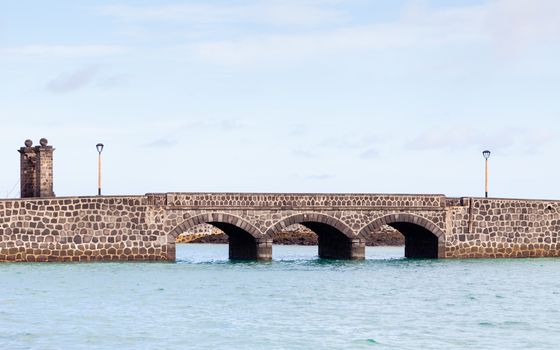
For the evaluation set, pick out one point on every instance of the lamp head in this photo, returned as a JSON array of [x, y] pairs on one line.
[[99, 147], [486, 154]]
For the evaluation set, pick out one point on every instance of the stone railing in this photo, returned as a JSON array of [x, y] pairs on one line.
[[287, 201]]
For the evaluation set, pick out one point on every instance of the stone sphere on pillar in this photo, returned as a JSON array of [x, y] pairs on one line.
[[28, 143], [44, 142]]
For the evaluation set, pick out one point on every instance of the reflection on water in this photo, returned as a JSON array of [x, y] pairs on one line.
[[296, 301]]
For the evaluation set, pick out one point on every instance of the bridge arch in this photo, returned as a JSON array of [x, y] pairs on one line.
[[336, 239], [246, 242], [423, 238]]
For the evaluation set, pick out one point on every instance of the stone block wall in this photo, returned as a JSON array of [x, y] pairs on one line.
[[503, 228], [81, 229]]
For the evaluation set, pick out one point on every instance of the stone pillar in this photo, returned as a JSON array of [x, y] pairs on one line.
[[249, 248], [358, 249], [170, 250], [264, 249], [27, 170], [44, 169], [36, 172], [341, 247]]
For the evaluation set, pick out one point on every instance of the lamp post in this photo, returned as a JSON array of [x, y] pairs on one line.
[[99, 147], [486, 155]]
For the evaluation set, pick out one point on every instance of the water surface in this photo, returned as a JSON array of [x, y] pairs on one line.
[[296, 301]]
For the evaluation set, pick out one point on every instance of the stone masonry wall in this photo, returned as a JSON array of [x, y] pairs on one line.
[[81, 229], [500, 228]]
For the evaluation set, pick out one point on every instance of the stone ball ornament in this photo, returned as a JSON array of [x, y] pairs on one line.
[[28, 143], [44, 142]]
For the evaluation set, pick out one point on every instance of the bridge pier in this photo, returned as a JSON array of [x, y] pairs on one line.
[[333, 243], [242, 247], [340, 247], [264, 250], [242, 244]]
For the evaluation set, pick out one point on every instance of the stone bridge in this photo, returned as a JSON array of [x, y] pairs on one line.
[[146, 227]]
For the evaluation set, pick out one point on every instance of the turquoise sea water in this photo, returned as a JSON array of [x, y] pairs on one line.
[[296, 301]]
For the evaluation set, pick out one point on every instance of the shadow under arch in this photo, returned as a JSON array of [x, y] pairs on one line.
[[246, 242], [423, 238], [336, 239]]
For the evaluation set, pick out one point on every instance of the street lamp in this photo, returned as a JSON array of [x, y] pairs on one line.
[[486, 155], [99, 147]]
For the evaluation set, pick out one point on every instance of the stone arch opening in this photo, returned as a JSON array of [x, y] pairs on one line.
[[335, 239], [203, 233], [246, 242], [422, 238]]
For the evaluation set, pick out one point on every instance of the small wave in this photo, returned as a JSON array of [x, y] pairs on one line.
[[365, 342]]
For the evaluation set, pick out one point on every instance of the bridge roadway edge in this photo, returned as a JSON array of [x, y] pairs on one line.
[[143, 228]]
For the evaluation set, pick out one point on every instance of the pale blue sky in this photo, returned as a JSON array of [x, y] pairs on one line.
[[285, 96]]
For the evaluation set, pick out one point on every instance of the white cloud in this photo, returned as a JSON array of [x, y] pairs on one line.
[[197, 126], [515, 24], [113, 80], [91, 75], [74, 80], [301, 13], [319, 177], [298, 130], [499, 24], [369, 153], [506, 139], [282, 48], [62, 51], [302, 153], [350, 141], [162, 143], [451, 138], [215, 124]]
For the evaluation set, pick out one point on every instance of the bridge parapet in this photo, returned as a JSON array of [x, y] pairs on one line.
[[456, 201], [308, 201], [157, 199]]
